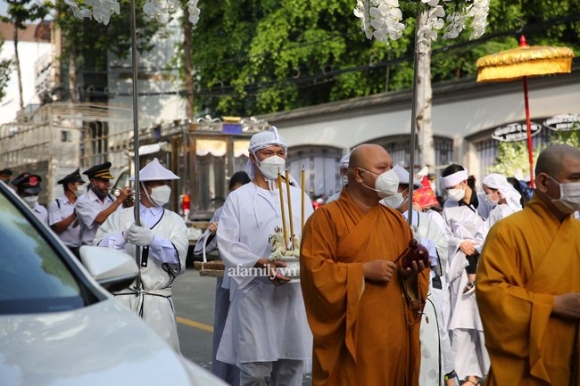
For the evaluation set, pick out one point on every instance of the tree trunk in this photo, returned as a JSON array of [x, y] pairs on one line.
[[187, 65], [72, 75], [18, 72], [423, 106]]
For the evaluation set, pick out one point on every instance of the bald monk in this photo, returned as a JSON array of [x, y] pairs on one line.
[[363, 307], [528, 289]]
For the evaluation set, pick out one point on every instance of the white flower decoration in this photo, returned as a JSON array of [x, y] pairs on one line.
[[193, 11], [383, 19], [102, 10]]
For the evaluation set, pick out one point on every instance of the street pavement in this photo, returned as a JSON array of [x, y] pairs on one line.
[[193, 296]]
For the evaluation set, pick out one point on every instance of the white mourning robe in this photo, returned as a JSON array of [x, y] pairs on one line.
[[436, 353], [228, 372], [265, 322], [499, 212], [167, 255], [465, 325]]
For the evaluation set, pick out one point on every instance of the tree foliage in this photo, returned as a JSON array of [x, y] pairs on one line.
[[512, 157], [261, 56], [4, 73], [89, 42], [19, 13]]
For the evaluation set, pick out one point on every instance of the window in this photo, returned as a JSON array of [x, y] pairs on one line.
[[33, 278], [321, 169]]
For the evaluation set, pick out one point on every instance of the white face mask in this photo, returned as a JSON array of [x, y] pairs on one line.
[[160, 195], [395, 201], [569, 201], [491, 200], [456, 194], [271, 166], [80, 191], [31, 201], [344, 180], [387, 183]]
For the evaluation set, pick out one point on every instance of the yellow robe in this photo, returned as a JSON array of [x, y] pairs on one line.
[[528, 258], [365, 333]]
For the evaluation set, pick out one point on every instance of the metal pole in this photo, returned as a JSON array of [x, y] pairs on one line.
[[413, 122], [135, 134], [134, 60], [529, 133]]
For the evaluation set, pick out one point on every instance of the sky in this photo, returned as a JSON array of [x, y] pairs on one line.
[[4, 7]]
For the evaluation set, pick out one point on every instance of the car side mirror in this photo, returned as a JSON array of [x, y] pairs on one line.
[[114, 270]]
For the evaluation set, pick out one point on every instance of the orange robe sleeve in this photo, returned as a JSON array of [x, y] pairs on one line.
[[364, 332], [527, 259]]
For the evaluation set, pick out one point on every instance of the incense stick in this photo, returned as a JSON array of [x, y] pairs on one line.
[[290, 209], [284, 230], [302, 190]]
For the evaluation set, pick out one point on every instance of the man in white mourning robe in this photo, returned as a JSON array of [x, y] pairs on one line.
[[266, 333], [206, 243], [437, 362], [163, 242]]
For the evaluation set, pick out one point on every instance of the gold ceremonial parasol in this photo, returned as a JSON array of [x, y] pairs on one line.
[[521, 63]]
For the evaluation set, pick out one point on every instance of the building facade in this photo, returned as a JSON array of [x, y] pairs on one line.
[[465, 115]]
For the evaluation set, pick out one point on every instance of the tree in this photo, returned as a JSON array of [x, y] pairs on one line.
[[260, 56], [86, 45], [4, 73], [21, 12], [512, 157]]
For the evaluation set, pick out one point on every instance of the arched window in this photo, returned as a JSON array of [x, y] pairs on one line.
[[321, 168], [398, 148]]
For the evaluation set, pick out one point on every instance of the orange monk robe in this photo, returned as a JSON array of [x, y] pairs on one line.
[[365, 333], [528, 258]]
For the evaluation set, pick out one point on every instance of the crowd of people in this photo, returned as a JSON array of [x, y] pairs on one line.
[[496, 300]]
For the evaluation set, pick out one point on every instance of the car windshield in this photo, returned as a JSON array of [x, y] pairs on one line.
[[33, 277]]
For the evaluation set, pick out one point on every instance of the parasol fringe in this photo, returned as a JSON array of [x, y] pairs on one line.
[[508, 72], [525, 54]]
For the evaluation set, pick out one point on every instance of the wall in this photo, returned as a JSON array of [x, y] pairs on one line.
[[460, 109]]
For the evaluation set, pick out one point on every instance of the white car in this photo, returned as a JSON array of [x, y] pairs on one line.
[[60, 327]]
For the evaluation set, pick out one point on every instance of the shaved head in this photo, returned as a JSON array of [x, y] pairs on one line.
[[557, 165], [552, 160], [367, 153], [366, 163]]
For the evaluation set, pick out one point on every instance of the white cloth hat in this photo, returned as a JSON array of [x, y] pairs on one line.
[[260, 141], [506, 190], [265, 139], [403, 175], [153, 171], [343, 164]]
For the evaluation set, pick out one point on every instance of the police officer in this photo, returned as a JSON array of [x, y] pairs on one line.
[[62, 217], [5, 175], [28, 187], [97, 204]]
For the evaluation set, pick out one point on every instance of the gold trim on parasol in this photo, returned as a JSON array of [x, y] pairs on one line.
[[524, 61]]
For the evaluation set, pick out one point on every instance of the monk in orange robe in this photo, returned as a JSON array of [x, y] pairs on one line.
[[363, 307], [528, 281]]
